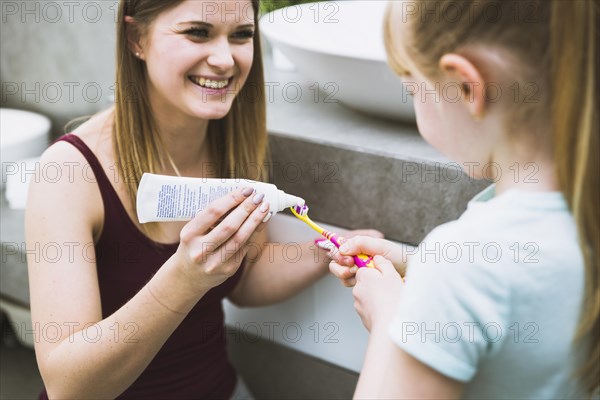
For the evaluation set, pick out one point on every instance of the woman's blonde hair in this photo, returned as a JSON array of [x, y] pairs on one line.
[[557, 44], [238, 142]]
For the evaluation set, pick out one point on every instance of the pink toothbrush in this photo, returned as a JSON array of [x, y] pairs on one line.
[[301, 212]]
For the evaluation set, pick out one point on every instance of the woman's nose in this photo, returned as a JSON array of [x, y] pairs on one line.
[[221, 56]]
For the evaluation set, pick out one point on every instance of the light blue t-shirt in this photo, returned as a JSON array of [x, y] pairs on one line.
[[493, 299]]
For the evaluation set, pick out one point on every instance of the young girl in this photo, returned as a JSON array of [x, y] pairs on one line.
[[505, 301], [134, 311]]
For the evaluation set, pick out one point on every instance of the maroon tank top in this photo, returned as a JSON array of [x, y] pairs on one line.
[[193, 363]]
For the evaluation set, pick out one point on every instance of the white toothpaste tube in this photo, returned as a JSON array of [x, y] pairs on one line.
[[174, 198]]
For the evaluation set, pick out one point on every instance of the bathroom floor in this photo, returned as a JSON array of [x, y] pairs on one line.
[[19, 375]]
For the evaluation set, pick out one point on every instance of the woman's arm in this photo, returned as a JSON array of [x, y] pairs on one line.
[[276, 271], [79, 354]]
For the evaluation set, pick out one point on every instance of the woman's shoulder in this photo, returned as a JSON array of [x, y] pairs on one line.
[[66, 176], [96, 131]]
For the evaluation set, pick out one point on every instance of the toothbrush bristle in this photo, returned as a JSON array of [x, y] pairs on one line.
[[301, 210]]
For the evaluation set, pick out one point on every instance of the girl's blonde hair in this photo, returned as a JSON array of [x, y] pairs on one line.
[[238, 141], [557, 44]]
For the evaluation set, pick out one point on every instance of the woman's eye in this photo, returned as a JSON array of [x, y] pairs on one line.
[[249, 34], [197, 32]]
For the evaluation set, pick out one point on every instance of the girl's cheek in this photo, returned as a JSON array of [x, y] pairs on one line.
[[426, 121]]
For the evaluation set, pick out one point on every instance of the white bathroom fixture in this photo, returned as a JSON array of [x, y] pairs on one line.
[[339, 45], [23, 134]]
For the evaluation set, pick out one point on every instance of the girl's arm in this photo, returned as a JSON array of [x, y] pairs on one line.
[[390, 373], [80, 354]]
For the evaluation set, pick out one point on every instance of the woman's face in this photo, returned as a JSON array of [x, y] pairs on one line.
[[198, 56]]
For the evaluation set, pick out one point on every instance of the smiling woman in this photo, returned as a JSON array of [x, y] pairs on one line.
[[142, 306], [231, 76]]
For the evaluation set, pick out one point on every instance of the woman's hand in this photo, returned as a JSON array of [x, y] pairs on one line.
[[377, 293], [214, 243]]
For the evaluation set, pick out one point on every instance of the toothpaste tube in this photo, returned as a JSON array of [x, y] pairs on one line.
[[174, 198]]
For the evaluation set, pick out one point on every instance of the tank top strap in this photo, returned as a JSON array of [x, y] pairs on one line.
[[109, 195], [116, 219]]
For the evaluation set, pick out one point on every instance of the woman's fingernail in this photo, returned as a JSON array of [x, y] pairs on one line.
[[258, 198], [268, 217], [264, 207], [344, 248], [247, 191], [353, 269]]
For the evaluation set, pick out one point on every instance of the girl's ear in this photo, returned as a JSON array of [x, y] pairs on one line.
[[133, 37], [459, 69]]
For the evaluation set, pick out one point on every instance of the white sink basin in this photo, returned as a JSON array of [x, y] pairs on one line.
[[341, 43], [23, 134]]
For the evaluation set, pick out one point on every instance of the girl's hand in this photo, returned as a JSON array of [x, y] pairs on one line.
[[346, 260], [213, 244], [372, 246], [377, 293]]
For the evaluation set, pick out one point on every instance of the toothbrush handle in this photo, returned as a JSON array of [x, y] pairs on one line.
[[361, 260]]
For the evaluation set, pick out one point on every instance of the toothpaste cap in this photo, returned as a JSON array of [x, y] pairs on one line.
[[287, 200]]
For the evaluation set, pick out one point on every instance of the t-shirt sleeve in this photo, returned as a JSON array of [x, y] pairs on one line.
[[455, 308]]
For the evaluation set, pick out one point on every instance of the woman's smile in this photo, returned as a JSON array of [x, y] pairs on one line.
[[211, 84]]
